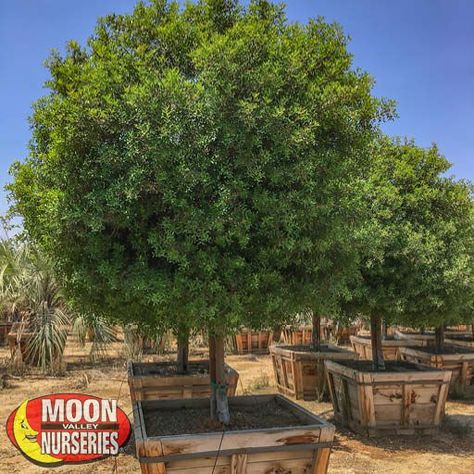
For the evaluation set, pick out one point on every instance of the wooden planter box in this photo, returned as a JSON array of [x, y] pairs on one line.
[[391, 347], [255, 342], [147, 382], [460, 364], [303, 335], [300, 372], [300, 449], [405, 399]]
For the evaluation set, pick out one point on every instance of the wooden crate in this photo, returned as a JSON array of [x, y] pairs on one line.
[[146, 382], [461, 364], [391, 347], [301, 336], [302, 449], [255, 342], [405, 399], [300, 373]]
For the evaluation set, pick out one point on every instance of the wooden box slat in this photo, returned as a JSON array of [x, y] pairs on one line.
[[247, 341]]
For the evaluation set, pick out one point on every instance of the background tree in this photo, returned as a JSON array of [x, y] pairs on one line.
[[419, 269], [205, 162]]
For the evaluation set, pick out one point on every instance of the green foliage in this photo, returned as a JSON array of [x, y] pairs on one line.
[[201, 166], [420, 265]]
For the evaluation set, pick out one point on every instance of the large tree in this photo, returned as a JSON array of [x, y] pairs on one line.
[[419, 264], [202, 165]]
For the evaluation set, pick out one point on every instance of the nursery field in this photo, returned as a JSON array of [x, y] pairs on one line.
[[451, 451]]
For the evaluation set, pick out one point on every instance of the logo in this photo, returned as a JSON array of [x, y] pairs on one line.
[[68, 428]]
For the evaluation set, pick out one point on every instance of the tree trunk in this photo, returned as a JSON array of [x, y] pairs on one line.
[[385, 330], [376, 338], [276, 333], [439, 339], [183, 352], [316, 333], [212, 374], [472, 327], [422, 330], [219, 402]]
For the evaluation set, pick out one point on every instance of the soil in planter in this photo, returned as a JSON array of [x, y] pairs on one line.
[[306, 348], [390, 366], [270, 414], [168, 370], [388, 338]]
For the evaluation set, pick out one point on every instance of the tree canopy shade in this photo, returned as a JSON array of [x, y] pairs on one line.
[[201, 166], [419, 270]]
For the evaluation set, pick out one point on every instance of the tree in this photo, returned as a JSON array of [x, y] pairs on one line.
[[202, 163], [419, 266]]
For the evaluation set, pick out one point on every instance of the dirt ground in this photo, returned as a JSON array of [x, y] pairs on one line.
[[449, 452]]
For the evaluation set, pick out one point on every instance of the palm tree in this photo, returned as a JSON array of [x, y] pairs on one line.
[[30, 294]]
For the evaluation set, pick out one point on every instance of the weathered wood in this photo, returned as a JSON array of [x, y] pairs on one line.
[[238, 464], [146, 382], [397, 401], [461, 365], [255, 342], [391, 347], [297, 336], [301, 449], [300, 372]]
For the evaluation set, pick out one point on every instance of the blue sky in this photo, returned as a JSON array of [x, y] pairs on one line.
[[419, 51]]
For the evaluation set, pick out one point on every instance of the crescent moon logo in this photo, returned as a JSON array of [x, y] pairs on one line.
[[68, 428], [27, 438]]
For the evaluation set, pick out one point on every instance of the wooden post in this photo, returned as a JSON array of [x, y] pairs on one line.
[[376, 339], [183, 351], [439, 338], [316, 336]]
